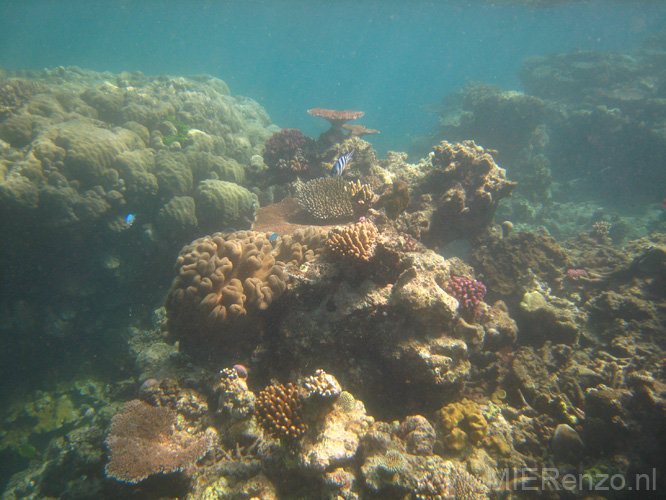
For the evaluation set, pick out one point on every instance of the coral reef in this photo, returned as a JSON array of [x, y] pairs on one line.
[[356, 242], [142, 441]]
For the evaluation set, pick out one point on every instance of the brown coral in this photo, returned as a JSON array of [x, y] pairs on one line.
[[335, 134], [355, 242], [279, 411], [222, 278], [467, 185], [143, 441], [325, 198]]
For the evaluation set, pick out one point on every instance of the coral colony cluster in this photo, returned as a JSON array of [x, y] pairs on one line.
[[314, 341]]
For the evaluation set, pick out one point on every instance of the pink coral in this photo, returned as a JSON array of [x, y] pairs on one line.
[[467, 291]]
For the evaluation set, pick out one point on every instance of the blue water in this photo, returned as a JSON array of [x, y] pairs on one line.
[[387, 58]]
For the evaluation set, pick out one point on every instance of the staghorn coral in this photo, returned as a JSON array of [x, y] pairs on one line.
[[362, 195], [325, 198], [143, 441], [356, 242], [220, 279], [322, 384], [279, 411]]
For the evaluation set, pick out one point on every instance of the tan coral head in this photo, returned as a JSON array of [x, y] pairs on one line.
[[337, 118]]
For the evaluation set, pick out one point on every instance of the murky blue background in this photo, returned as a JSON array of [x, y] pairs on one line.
[[387, 58]]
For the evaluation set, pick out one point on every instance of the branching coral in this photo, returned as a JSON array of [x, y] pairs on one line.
[[143, 441], [355, 242], [468, 292], [279, 411]]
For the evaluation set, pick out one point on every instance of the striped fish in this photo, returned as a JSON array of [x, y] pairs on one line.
[[341, 163]]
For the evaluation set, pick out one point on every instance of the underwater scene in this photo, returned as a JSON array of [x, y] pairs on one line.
[[333, 250]]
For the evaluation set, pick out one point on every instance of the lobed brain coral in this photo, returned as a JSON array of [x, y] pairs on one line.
[[222, 278]]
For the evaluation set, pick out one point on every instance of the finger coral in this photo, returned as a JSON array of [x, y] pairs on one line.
[[322, 384], [279, 411], [221, 278], [143, 441], [355, 242]]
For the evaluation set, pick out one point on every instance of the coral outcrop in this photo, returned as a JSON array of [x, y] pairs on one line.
[[221, 279]]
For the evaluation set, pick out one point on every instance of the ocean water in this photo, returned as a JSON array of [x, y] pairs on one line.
[[387, 58], [552, 352]]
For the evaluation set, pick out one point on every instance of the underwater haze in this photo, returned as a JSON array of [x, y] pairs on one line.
[[333, 250], [387, 58]]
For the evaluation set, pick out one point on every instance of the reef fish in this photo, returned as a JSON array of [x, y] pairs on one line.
[[341, 163], [129, 220], [273, 237]]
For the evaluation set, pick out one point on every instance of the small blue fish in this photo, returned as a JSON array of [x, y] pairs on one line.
[[341, 163], [129, 220], [273, 237]]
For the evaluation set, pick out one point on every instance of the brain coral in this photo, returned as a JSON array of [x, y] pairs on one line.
[[221, 279]]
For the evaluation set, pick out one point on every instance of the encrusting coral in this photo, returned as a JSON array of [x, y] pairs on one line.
[[143, 441], [279, 411], [356, 242]]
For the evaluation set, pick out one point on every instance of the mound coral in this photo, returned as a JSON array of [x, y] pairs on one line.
[[222, 278], [460, 422], [279, 411], [356, 242], [143, 441]]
